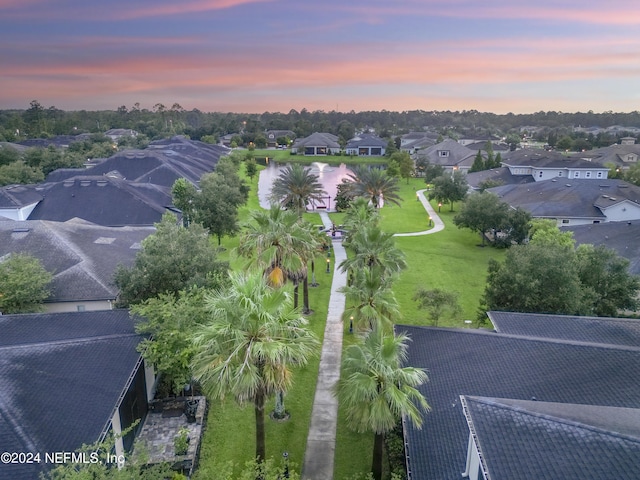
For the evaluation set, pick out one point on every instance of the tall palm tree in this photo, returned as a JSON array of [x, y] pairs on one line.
[[359, 214], [295, 187], [370, 301], [282, 245], [376, 390], [269, 240], [252, 340], [374, 184], [373, 247]]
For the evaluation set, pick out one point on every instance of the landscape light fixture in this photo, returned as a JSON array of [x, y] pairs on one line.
[[351, 324], [328, 264]]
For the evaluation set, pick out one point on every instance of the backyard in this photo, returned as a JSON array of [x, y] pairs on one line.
[[451, 259]]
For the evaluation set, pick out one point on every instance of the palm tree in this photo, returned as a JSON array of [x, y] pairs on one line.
[[373, 247], [371, 302], [281, 244], [295, 187], [252, 340], [359, 214], [375, 185], [377, 391], [270, 239]]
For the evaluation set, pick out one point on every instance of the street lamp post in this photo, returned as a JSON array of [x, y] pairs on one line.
[[285, 455]]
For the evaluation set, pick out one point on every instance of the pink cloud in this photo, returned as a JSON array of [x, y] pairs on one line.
[[178, 8]]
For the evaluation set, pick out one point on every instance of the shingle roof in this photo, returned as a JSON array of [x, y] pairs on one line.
[[104, 201], [479, 363], [542, 440], [317, 139], [568, 197], [536, 158], [457, 154], [161, 163], [82, 257], [61, 376], [619, 236], [366, 140], [502, 174], [19, 196], [597, 330]]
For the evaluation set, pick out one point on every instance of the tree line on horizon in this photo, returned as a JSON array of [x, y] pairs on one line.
[[38, 121]]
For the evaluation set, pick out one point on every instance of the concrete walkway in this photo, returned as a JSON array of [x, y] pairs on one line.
[[438, 224], [321, 442]]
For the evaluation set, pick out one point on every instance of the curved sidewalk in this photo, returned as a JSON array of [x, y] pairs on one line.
[[321, 441], [438, 224]]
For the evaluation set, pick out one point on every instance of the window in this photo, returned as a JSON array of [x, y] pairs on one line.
[[80, 308], [443, 153], [576, 174], [540, 174], [587, 174], [596, 221], [560, 173], [565, 221], [599, 174]]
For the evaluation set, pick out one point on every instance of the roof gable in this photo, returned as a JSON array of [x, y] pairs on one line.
[[530, 439], [466, 362]]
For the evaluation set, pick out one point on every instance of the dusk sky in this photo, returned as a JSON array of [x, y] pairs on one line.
[[254, 56]]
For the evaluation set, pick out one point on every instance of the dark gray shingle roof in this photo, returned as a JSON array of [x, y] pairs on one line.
[[60, 379], [530, 439], [82, 257], [493, 365], [597, 330]]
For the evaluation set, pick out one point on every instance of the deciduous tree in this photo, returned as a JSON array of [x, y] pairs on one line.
[[449, 188], [172, 259], [24, 284]]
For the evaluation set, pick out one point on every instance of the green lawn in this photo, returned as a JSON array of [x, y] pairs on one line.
[[450, 259]]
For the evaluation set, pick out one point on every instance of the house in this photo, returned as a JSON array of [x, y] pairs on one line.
[[18, 201], [366, 145], [161, 163], [68, 379], [415, 141], [575, 201], [82, 258], [497, 177], [619, 236], [274, 135], [544, 165], [620, 156], [103, 200], [511, 438], [481, 384], [316, 144], [449, 154], [116, 134]]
